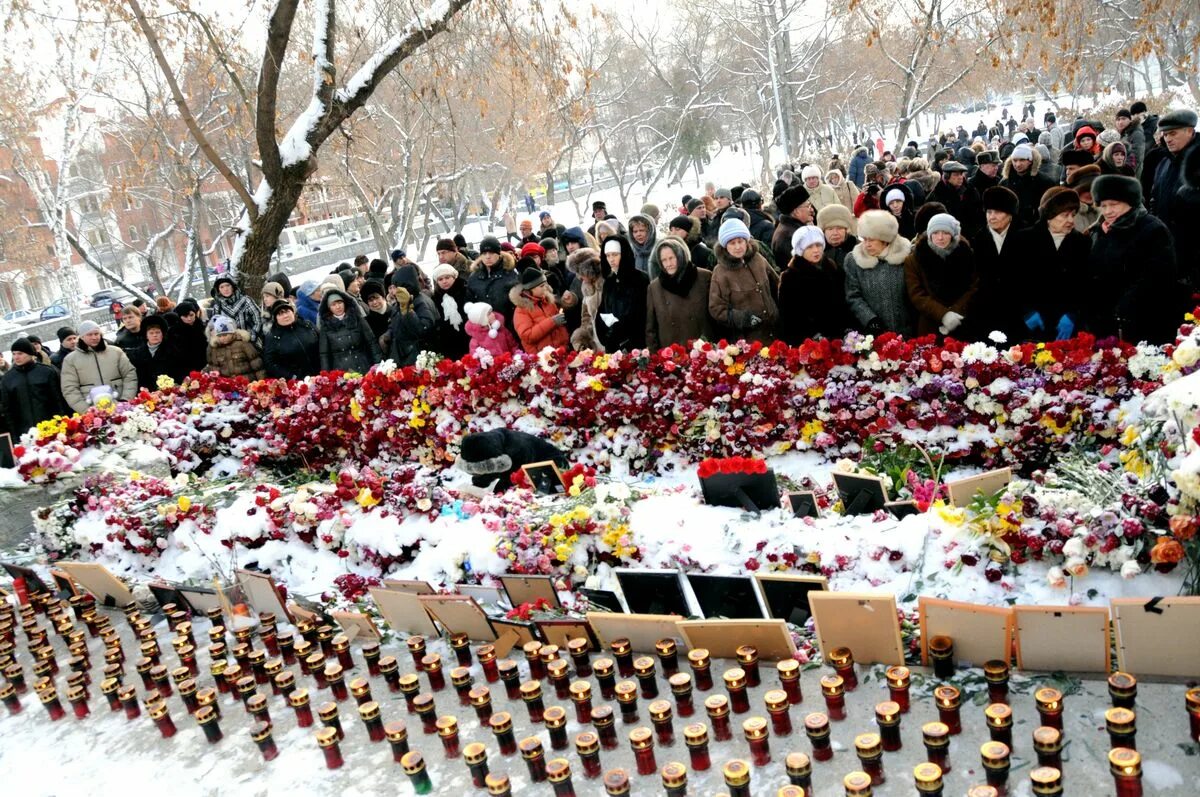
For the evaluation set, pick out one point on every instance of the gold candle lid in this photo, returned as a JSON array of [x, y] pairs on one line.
[[1047, 739], [735, 678], [256, 704], [868, 745], [674, 775], [641, 738], [999, 715], [412, 763], [841, 657], [1120, 719], [695, 734], [1124, 761], [557, 669], [699, 657], [681, 683], [627, 692], [431, 663], [497, 783], [927, 777], [415, 643], [996, 670], [995, 754], [327, 711], [788, 669], [409, 682], [816, 723], [736, 772], [857, 784], [531, 649], [558, 770], [1044, 779], [447, 725], [587, 743], [948, 696], [298, 698], [746, 654], [341, 642], [898, 677], [423, 703], [530, 747], [616, 781], [555, 717], [578, 646], [941, 646], [887, 713], [754, 728], [580, 691], [479, 695], [798, 764], [716, 705], [260, 731], [643, 666], [790, 791], [1048, 699], [548, 653], [602, 716], [501, 722], [531, 690], [459, 640], [660, 710], [1192, 699], [603, 667], [936, 734], [485, 653], [109, 685], [832, 685], [621, 646], [665, 647], [206, 715], [369, 711], [1122, 682], [396, 731], [360, 687], [776, 700]]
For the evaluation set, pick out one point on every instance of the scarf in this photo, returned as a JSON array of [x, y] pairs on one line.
[[681, 282], [450, 311], [943, 253], [641, 252]]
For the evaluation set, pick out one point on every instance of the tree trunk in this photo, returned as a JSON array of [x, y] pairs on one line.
[[262, 239], [549, 188]]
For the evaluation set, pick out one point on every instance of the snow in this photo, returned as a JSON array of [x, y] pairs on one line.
[[436, 11], [295, 147]]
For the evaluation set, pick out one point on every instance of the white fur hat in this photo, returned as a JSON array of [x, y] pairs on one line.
[[805, 237], [879, 225], [811, 170], [477, 312]]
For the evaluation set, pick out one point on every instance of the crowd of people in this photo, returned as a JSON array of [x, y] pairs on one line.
[[1033, 234]]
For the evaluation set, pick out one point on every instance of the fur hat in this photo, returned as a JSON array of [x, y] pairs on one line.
[[1076, 157], [585, 262], [811, 170], [88, 326], [1177, 119], [1058, 200], [599, 205], [805, 237], [222, 325], [1117, 187], [445, 245], [531, 277], [272, 289], [731, 229], [835, 215], [530, 249], [188, 305], [1081, 180], [791, 199], [374, 288], [879, 225], [24, 346], [478, 312], [154, 322], [1000, 198], [650, 210], [442, 270], [986, 157], [490, 243], [944, 222], [280, 306]]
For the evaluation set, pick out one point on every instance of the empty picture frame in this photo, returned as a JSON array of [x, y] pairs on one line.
[[166, 593], [261, 593], [526, 631], [459, 614], [861, 493], [490, 597], [545, 477], [108, 589], [722, 638], [412, 586], [527, 589], [642, 630], [752, 492], [803, 504], [201, 600], [603, 599], [64, 585], [865, 622], [1158, 636], [902, 509], [403, 612], [33, 582], [980, 633], [963, 491], [356, 625], [1066, 638], [729, 597], [786, 595], [652, 591]]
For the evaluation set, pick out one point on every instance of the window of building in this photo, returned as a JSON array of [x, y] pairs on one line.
[[133, 232], [3, 255]]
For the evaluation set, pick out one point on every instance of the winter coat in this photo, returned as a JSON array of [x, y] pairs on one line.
[[845, 191], [939, 285], [1175, 200], [701, 255], [1131, 288], [57, 358], [239, 357], [741, 289], [838, 253], [86, 368], [820, 196], [415, 330], [450, 337], [586, 336], [1135, 146], [1058, 274], [762, 227], [380, 323], [190, 341], [812, 301], [292, 352], [875, 288], [492, 285], [781, 239], [624, 296], [346, 344], [858, 167], [927, 179], [239, 307], [129, 341], [307, 308], [867, 200], [498, 454], [677, 307], [963, 203], [641, 253], [535, 322], [482, 337], [563, 281], [1028, 188], [1107, 166], [995, 307], [163, 361], [981, 182], [30, 394]]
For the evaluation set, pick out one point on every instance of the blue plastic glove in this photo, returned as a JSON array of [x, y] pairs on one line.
[[1034, 321], [1066, 328]]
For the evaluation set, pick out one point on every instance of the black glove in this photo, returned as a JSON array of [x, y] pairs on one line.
[[561, 319], [875, 327], [872, 189]]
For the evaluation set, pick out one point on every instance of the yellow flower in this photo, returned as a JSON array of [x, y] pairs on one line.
[[164, 382], [813, 558], [1043, 358], [356, 410], [365, 498], [765, 352], [595, 384], [1133, 462], [810, 430], [185, 503], [952, 515], [816, 391], [736, 369], [134, 475], [1130, 436]]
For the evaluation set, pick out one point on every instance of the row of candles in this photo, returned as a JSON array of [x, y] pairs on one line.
[[251, 668]]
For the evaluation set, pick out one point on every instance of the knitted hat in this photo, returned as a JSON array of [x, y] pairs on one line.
[[574, 234], [736, 192], [532, 277], [1177, 119], [442, 270], [88, 326], [734, 212], [944, 222], [1109, 136], [548, 243], [222, 325], [506, 246], [397, 254], [1118, 188], [879, 225], [377, 269], [612, 246], [894, 195], [585, 262], [805, 237], [791, 199], [445, 245], [272, 289], [24, 346], [723, 193], [64, 333], [811, 170], [835, 215], [280, 306], [186, 306], [692, 204], [530, 249], [477, 312], [1124, 113], [1058, 200], [1024, 152], [545, 214], [374, 288], [651, 210], [1000, 198], [731, 229]]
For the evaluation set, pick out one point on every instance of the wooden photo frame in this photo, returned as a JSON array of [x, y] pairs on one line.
[[64, 584], [560, 632], [545, 477], [865, 622], [356, 625], [731, 597], [980, 633], [403, 612], [861, 493], [459, 614], [963, 491], [1066, 638], [652, 591], [1158, 636], [786, 595], [803, 503], [108, 590], [642, 630], [409, 585], [527, 589], [722, 638], [262, 594], [514, 634]]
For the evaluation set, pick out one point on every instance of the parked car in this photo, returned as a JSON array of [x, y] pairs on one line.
[[58, 310], [106, 297], [19, 317]]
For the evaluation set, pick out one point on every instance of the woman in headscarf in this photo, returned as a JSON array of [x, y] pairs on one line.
[[642, 237], [228, 300], [941, 279], [677, 299]]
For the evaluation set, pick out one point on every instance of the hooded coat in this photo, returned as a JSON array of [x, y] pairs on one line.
[[875, 287], [938, 285], [742, 289], [345, 344], [292, 352], [492, 285], [87, 368], [240, 307], [641, 252], [238, 357], [858, 166], [413, 329], [30, 394], [845, 192], [623, 297], [1131, 290], [535, 321], [1028, 187], [498, 454], [450, 338], [592, 271], [481, 337], [677, 306]]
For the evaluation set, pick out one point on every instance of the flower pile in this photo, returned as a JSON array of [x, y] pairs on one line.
[[728, 465]]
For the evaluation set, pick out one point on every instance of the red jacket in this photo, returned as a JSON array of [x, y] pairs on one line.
[[534, 320]]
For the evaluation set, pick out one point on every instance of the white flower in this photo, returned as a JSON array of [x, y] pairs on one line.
[[1076, 567], [1131, 569], [997, 337], [1187, 354], [386, 367], [1074, 548], [1056, 577]]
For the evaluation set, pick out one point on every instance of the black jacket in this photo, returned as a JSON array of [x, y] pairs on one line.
[[346, 344], [412, 332], [1058, 275], [812, 301], [190, 341], [624, 297], [762, 227], [30, 394], [381, 322], [57, 358], [563, 280], [1176, 202], [450, 338], [163, 361], [781, 240], [962, 203], [996, 306], [498, 454], [128, 341], [1131, 290], [1029, 188], [292, 352]]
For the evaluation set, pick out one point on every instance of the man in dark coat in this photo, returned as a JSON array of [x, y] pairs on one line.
[[1175, 197], [415, 320], [498, 454], [29, 392], [379, 312], [987, 164], [66, 344], [187, 330], [960, 200], [998, 262], [689, 229], [1022, 178], [1132, 292], [493, 275], [795, 211], [762, 226], [157, 356]]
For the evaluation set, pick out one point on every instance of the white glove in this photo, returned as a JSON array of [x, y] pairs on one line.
[[950, 322]]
